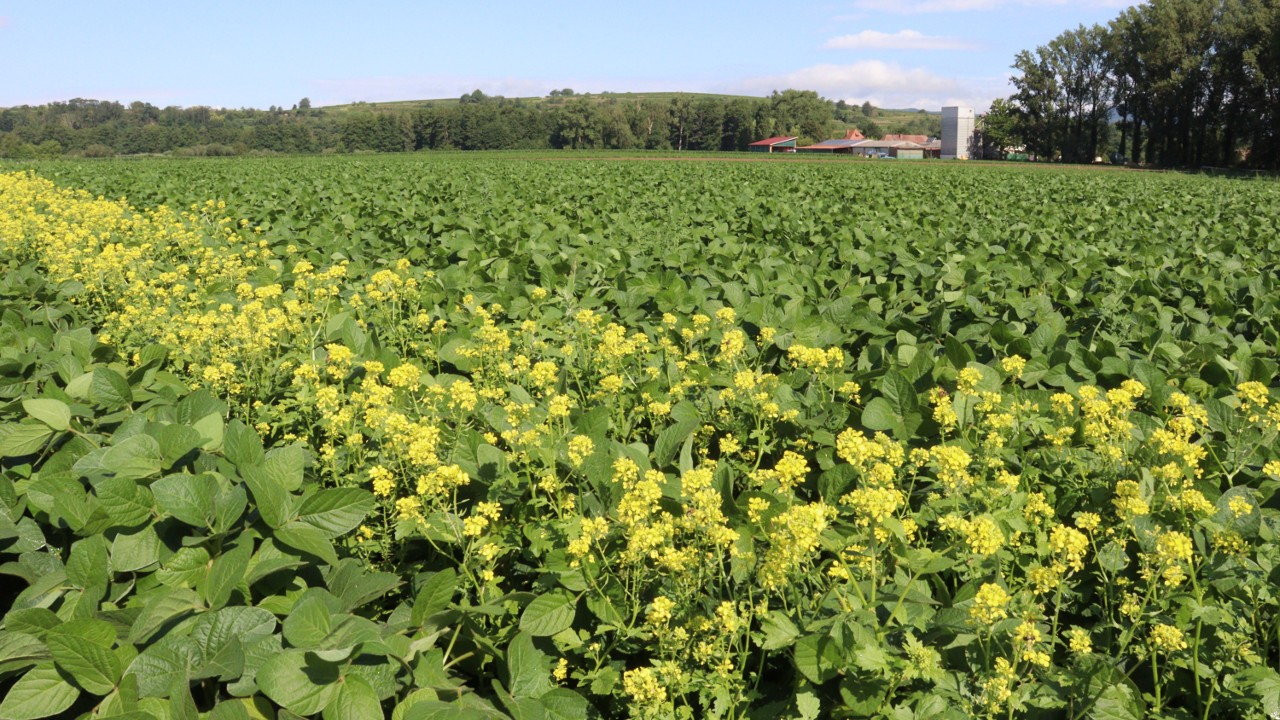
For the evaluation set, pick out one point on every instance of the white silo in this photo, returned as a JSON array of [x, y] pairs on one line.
[[957, 132]]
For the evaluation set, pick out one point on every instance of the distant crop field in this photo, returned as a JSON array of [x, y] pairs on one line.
[[613, 435]]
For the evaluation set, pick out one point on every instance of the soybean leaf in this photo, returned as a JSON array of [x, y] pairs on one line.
[[285, 466], [306, 538], [528, 668], [309, 623], [549, 614], [134, 457], [225, 574], [20, 439], [435, 595], [302, 683], [109, 389], [241, 445], [187, 497], [40, 693], [92, 667], [336, 510], [54, 413], [355, 698]]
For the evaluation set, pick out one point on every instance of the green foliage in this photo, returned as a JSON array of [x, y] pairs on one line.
[[179, 551]]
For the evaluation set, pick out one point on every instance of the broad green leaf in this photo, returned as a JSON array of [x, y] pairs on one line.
[[309, 623], [435, 595], [19, 649], [549, 614], [285, 466], [109, 389], [54, 413], [171, 660], [354, 700], [189, 498], [92, 667], [1118, 702], [134, 457], [21, 439], [127, 503], [211, 430], [879, 415], [242, 445], [816, 658], [225, 574], [88, 566], [135, 551], [164, 606], [336, 510], [779, 631], [298, 682], [670, 440], [40, 693], [220, 635], [273, 501], [307, 539], [528, 668]]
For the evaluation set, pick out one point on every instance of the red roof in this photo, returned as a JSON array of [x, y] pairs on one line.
[[773, 140]]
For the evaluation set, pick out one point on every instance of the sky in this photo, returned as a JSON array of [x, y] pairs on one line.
[[894, 53]]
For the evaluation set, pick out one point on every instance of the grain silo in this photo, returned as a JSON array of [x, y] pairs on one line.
[[957, 132]]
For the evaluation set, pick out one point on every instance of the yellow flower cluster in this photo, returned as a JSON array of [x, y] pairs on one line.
[[793, 540], [990, 604]]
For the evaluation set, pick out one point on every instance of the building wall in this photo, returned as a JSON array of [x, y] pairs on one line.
[[957, 133]]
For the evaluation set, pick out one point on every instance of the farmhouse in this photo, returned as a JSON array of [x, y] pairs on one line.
[[900, 149], [837, 147], [917, 139], [774, 144]]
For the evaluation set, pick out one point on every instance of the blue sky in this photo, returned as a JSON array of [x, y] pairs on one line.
[[896, 53]]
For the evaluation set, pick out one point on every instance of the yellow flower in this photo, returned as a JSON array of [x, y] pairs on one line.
[[791, 470], [1239, 506], [1014, 365], [383, 481], [660, 611], [968, 379], [1079, 641], [1088, 521], [580, 448], [1167, 638], [990, 605], [1071, 545], [645, 688]]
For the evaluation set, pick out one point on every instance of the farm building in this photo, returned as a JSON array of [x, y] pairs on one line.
[[901, 149], [917, 139], [774, 144], [957, 133], [839, 147]]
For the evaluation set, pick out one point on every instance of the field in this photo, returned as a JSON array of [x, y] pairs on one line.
[[565, 436]]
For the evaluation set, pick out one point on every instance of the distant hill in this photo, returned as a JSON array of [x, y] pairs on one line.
[[599, 97]]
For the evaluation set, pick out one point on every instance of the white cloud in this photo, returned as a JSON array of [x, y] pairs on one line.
[[916, 7], [901, 40], [885, 84]]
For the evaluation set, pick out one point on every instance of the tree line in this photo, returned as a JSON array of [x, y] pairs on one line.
[[476, 122], [1177, 83]]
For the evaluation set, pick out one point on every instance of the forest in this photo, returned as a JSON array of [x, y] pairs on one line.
[[1173, 83], [92, 128]]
